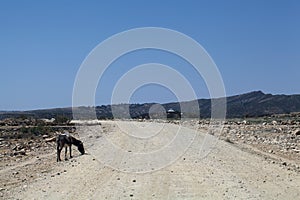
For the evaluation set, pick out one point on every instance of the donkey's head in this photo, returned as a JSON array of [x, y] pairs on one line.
[[80, 148]]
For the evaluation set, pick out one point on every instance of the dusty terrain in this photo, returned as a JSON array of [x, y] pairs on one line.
[[240, 164]]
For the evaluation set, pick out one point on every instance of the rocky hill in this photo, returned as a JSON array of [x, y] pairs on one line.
[[253, 104], [259, 104]]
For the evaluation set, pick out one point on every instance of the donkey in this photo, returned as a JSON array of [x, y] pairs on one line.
[[66, 140]]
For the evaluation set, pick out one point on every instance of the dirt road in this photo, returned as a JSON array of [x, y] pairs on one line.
[[226, 172]]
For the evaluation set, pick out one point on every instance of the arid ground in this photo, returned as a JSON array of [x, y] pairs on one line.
[[245, 161]]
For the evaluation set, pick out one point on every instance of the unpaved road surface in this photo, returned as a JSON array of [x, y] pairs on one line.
[[226, 172]]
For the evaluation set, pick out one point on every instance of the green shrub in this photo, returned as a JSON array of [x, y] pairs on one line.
[[60, 119]]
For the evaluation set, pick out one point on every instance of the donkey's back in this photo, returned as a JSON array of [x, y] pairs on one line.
[[63, 140]]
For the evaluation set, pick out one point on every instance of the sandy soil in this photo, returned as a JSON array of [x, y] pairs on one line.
[[220, 171]]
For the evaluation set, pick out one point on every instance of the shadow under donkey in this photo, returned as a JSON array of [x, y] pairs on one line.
[[66, 140]]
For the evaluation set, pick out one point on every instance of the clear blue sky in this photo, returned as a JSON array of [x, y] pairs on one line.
[[255, 44]]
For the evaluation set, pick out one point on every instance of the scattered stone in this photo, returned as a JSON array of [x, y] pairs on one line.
[[296, 132], [45, 136], [296, 150], [271, 151], [21, 152], [15, 173]]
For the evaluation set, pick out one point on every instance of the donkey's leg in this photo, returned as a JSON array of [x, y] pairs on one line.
[[70, 151], [66, 149], [58, 153]]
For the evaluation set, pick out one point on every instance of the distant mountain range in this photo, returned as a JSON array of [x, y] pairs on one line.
[[253, 104]]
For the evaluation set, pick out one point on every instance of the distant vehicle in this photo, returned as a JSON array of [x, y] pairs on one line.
[[172, 114]]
